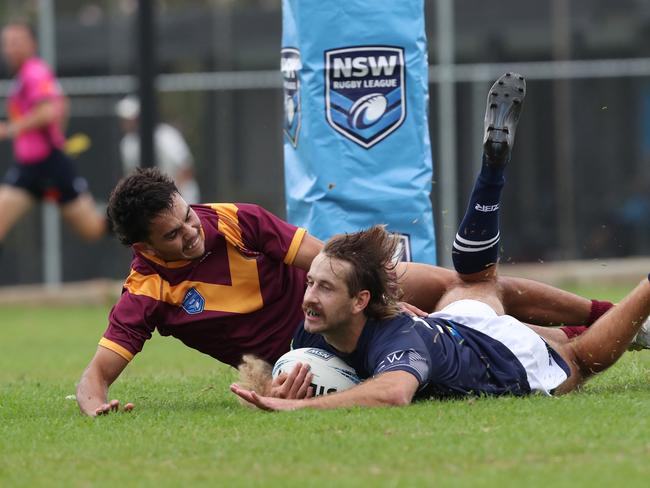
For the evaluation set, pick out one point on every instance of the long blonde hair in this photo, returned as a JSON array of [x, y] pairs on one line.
[[371, 253]]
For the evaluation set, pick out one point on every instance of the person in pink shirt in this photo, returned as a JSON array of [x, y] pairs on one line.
[[37, 111]]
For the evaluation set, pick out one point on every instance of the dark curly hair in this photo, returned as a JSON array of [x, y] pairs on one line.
[[136, 201], [372, 255]]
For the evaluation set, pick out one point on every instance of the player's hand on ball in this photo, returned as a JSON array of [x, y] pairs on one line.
[[112, 406], [295, 384]]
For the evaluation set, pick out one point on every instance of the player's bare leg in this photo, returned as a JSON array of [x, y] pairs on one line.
[[606, 340], [488, 288], [541, 307], [527, 300], [474, 287], [423, 285], [538, 303], [14, 203], [82, 215]]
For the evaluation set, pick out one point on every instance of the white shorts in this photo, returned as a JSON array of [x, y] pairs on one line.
[[543, 372]]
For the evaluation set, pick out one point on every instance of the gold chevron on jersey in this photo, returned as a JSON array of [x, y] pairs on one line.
[[228, 223], [243, 295]]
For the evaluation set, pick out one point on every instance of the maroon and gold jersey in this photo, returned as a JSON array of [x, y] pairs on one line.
[[243, 296]]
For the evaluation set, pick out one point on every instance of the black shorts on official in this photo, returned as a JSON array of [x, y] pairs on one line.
[[53, 178]]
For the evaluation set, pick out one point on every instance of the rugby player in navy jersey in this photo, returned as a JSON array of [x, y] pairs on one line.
[[468, 346]]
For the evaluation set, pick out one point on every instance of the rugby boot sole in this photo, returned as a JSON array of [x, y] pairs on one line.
[[504, 103]]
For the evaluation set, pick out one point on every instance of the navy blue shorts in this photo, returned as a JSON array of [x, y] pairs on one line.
[[54, 178]]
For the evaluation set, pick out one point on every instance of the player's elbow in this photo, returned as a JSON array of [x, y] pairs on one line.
[[397, 388], [398, 396]]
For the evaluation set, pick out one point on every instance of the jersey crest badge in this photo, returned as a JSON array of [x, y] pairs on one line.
[[365, 97], [290, 65], [193, 302]]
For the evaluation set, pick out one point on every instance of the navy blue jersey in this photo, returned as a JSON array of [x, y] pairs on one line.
[[447, 358]]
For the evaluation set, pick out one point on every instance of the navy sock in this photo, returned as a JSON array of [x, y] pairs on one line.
[[476, 246]]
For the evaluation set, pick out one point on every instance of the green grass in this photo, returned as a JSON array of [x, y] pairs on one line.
[[188, 430]]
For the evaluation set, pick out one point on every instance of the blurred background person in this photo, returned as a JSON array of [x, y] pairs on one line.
[[37, 115], [173, 155]]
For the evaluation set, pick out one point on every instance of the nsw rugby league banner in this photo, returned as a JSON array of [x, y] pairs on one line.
[[357, 150]]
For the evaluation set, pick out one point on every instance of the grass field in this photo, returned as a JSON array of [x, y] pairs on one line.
[[188, 430]]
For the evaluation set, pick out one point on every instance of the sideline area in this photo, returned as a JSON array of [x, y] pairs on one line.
[[564, 274], [595, 272], [92, 292]]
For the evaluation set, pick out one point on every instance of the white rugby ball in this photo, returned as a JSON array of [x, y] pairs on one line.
[[331, 373], [368, 110]]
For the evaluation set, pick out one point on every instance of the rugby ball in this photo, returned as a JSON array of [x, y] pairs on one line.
[[331, 373], [367, 110]]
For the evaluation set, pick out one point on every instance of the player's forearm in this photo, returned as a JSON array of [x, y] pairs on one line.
[[356, 399], [381, 391], [92, 392]]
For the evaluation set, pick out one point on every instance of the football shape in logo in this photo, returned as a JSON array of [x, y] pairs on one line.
[[367, 110], [331, 373]]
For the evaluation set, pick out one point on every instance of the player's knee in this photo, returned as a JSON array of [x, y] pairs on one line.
[[581, 364]]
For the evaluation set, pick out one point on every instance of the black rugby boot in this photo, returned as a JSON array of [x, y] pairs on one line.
[[504, 103]]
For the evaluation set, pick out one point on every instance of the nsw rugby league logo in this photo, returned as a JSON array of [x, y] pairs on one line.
[[365, 97], [290, 66]]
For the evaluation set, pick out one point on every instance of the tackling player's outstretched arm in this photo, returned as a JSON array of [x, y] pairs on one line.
[[393, 388], [92, 390]]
